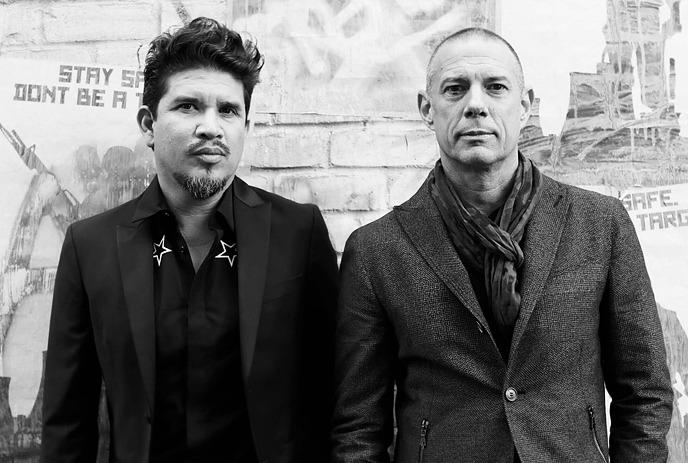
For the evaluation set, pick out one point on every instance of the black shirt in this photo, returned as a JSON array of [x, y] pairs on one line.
[[200, 408]]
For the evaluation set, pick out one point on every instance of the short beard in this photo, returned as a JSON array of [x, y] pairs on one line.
[[201, 187]]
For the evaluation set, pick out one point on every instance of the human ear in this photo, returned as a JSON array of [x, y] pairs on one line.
[[527, 98], [425, 108], [146, 120]]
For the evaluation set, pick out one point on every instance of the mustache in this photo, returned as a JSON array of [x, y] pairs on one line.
[[213, 145]]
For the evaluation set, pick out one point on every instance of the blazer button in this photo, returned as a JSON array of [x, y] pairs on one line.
[[511, 394]]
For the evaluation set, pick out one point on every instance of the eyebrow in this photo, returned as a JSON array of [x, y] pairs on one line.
[[498, 79], [465, 77], [184, 97]]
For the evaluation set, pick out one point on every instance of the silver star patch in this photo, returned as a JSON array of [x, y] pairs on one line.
[[160, 250], [229, 252]]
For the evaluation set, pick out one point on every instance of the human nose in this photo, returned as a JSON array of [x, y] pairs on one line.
[[475, 105], [209, 125]]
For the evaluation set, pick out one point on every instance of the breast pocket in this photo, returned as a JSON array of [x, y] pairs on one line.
[[572, 297], [572, 266], [584, 276], [283, 288]]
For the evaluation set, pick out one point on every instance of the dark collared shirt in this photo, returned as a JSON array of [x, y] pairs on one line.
[[200, 408]]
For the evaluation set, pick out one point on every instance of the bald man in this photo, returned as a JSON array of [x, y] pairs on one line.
[[498, 301]]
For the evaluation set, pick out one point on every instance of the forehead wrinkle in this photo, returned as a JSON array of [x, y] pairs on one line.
[[489, 70], [514, 66]]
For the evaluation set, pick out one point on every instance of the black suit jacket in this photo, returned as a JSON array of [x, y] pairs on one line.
[[102, 327], [408, 315]]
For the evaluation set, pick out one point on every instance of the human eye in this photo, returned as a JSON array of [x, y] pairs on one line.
[[187, 106], [229, 110], [455, 89], [497, 87]]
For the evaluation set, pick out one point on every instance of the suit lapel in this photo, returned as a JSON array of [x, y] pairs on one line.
[[136, 267], [252, 224], [423, 225], [540, 246]]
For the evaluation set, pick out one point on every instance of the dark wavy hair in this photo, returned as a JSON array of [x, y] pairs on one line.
[[203, 42]]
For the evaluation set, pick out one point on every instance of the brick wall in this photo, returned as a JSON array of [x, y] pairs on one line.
[[354, 170]]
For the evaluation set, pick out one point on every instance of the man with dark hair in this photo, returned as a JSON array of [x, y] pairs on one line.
[[204, 306], [499, 302]]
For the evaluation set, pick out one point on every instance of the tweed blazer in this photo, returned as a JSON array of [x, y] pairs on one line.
[[408, 317]]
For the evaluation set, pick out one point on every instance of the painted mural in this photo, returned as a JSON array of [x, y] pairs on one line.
[[68, 149], [346, 57], [617, 123], [625, 133]]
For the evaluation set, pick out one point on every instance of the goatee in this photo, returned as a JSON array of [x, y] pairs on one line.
[[201, 187]]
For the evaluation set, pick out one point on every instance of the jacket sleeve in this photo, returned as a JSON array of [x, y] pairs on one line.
[[322, 287], [634, 356], [365, 353], [72, 380]]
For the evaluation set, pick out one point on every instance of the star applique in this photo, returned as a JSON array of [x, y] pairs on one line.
[[160, 250], [229, 252]]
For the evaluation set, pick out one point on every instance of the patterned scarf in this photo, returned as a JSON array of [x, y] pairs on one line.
[[492, 245]]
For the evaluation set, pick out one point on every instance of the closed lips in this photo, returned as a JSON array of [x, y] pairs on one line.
[[473, 133], [211, 151]]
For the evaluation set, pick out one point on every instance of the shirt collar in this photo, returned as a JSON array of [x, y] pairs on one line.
[[153, 201], [226, 206]]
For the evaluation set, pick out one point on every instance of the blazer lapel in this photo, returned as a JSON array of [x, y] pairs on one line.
[[136, 268], [423, 225], [540, 246], [252, 224]]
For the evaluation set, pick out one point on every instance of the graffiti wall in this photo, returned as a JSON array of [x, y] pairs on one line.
[[612, 106], [335, 123], [338, 57], [68, 150]]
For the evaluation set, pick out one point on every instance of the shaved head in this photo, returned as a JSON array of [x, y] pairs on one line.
[[476, 102], [469, 34]]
